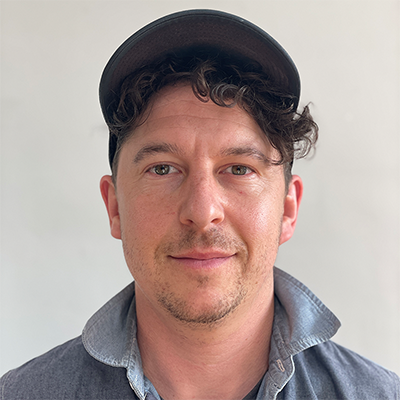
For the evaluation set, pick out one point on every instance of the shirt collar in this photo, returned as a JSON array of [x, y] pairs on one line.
[[301, 320], [110, 337]]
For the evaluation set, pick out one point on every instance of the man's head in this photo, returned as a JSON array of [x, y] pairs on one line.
[[200, 216], [201, 144]]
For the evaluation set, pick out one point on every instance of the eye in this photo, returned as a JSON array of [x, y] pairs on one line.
[[163, 169], [239, 170]]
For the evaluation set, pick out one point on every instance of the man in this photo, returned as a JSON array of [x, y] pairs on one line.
[[202, 108]]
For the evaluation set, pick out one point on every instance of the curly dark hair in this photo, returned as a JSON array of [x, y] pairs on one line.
[[227, 82]]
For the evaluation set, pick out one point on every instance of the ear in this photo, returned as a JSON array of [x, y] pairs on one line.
[[291, 208], [110, 200]]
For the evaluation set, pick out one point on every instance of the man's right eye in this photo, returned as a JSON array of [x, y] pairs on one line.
[[163, 169]]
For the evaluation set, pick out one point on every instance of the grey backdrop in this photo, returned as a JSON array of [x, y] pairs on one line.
[[59, 264]]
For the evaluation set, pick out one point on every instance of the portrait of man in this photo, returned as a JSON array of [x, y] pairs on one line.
[[205, 120]]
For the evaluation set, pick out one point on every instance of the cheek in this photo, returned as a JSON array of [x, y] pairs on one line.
[[145, 218], [258, 216], [141, 229], [259, 225]]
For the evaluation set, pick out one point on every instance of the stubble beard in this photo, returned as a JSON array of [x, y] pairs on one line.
[[228, 303], [178, 307]]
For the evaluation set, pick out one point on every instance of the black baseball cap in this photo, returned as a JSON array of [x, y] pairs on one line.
[[190, 29]]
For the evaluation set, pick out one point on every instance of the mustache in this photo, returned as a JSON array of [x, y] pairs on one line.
[[212, 239]]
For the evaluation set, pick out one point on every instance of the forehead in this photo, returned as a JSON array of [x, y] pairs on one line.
[[177, 108]]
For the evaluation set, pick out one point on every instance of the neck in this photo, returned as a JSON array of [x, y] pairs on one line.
[[223, 361]]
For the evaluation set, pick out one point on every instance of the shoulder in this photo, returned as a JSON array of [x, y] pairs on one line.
[[67, 371], [345, 374]]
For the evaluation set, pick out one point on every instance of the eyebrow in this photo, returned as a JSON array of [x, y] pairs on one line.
[[246, 151], [156, 148]]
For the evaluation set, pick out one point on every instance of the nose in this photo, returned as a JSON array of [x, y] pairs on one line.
[[202, 206]]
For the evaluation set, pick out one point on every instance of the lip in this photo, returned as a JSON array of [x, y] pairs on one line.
[[202, 260]]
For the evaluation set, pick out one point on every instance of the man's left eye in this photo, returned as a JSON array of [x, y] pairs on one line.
[[239, 170]]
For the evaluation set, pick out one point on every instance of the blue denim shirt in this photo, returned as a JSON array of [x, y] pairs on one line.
[[105, 363]]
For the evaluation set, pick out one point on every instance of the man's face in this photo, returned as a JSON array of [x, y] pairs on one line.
[[199, 209]]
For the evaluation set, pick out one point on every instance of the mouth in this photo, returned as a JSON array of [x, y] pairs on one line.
[[202, 260]]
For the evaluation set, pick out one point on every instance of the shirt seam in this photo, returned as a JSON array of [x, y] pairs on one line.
[[397, 378], [5, 380]]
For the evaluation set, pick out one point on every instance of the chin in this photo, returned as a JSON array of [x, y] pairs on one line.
[[200, 312]]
